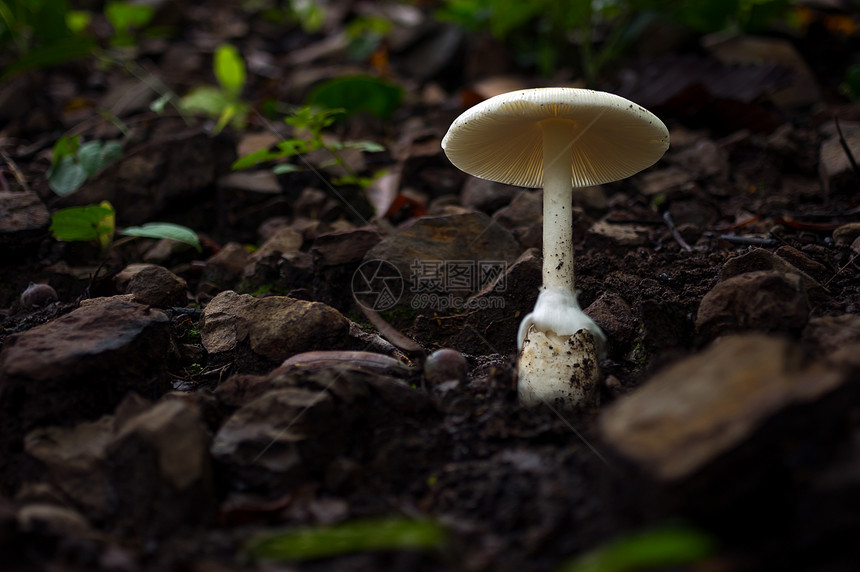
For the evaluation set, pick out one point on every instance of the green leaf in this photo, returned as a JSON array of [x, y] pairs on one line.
[[81, 223], [292, 147], [159, 104], [207, 99], [253, 159], [65, 146], [286, 168], [349, 537], [313, 119], [124, 16], [667, 546], [78, 20], [230, 69], [95, 155], [56, 52], [366, 146], [356, 94], [167, 230], [67, 176]]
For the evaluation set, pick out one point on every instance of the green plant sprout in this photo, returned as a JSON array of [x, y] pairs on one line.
[[72, 162], [663, 547], [357, 94], [541, 31], [126, 18], [224, 100], [365, 34], [41, 34], [98, 223], [393, 533], [310, 122]]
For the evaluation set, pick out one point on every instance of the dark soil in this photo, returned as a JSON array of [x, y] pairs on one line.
[[520, 489]]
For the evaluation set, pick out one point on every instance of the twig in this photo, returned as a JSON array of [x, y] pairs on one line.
[[744, 240], [19, 176], [846, 148], [667, 218], [844, 266]]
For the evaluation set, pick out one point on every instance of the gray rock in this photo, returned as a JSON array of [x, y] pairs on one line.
[[273, 328], [487, 196], [79, 366], [526, 209], [763, 301], [523, 217], [687, 419]]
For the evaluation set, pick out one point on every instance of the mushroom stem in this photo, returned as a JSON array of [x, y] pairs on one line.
[[557, 205]]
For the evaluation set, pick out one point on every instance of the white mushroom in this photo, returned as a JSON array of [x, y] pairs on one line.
[[556, 138]]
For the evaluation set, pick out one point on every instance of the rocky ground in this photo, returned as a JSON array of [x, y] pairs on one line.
[[153, 412]]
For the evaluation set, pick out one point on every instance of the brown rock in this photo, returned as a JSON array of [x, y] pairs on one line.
[[225, 267], [762, 301], [612, 313], [286, 239], [159, 470], [447, 251], [760, 259], [154, 175], [273, 328], [834, 167], [688, 417], [617, 234], [153, 285], [664, 181], [24, 220], [835, 338], [336, 257], [74, 460], [80, 365], [284, 435], [487, 196], [847, 233], [52, 520]]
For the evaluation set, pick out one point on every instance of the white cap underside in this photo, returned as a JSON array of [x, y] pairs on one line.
[[500, 139]]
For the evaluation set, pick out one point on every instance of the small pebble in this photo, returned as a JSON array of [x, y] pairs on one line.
[[445, 365], [38, 295]]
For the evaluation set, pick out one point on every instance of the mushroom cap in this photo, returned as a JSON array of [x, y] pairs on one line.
[[500, 139]]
